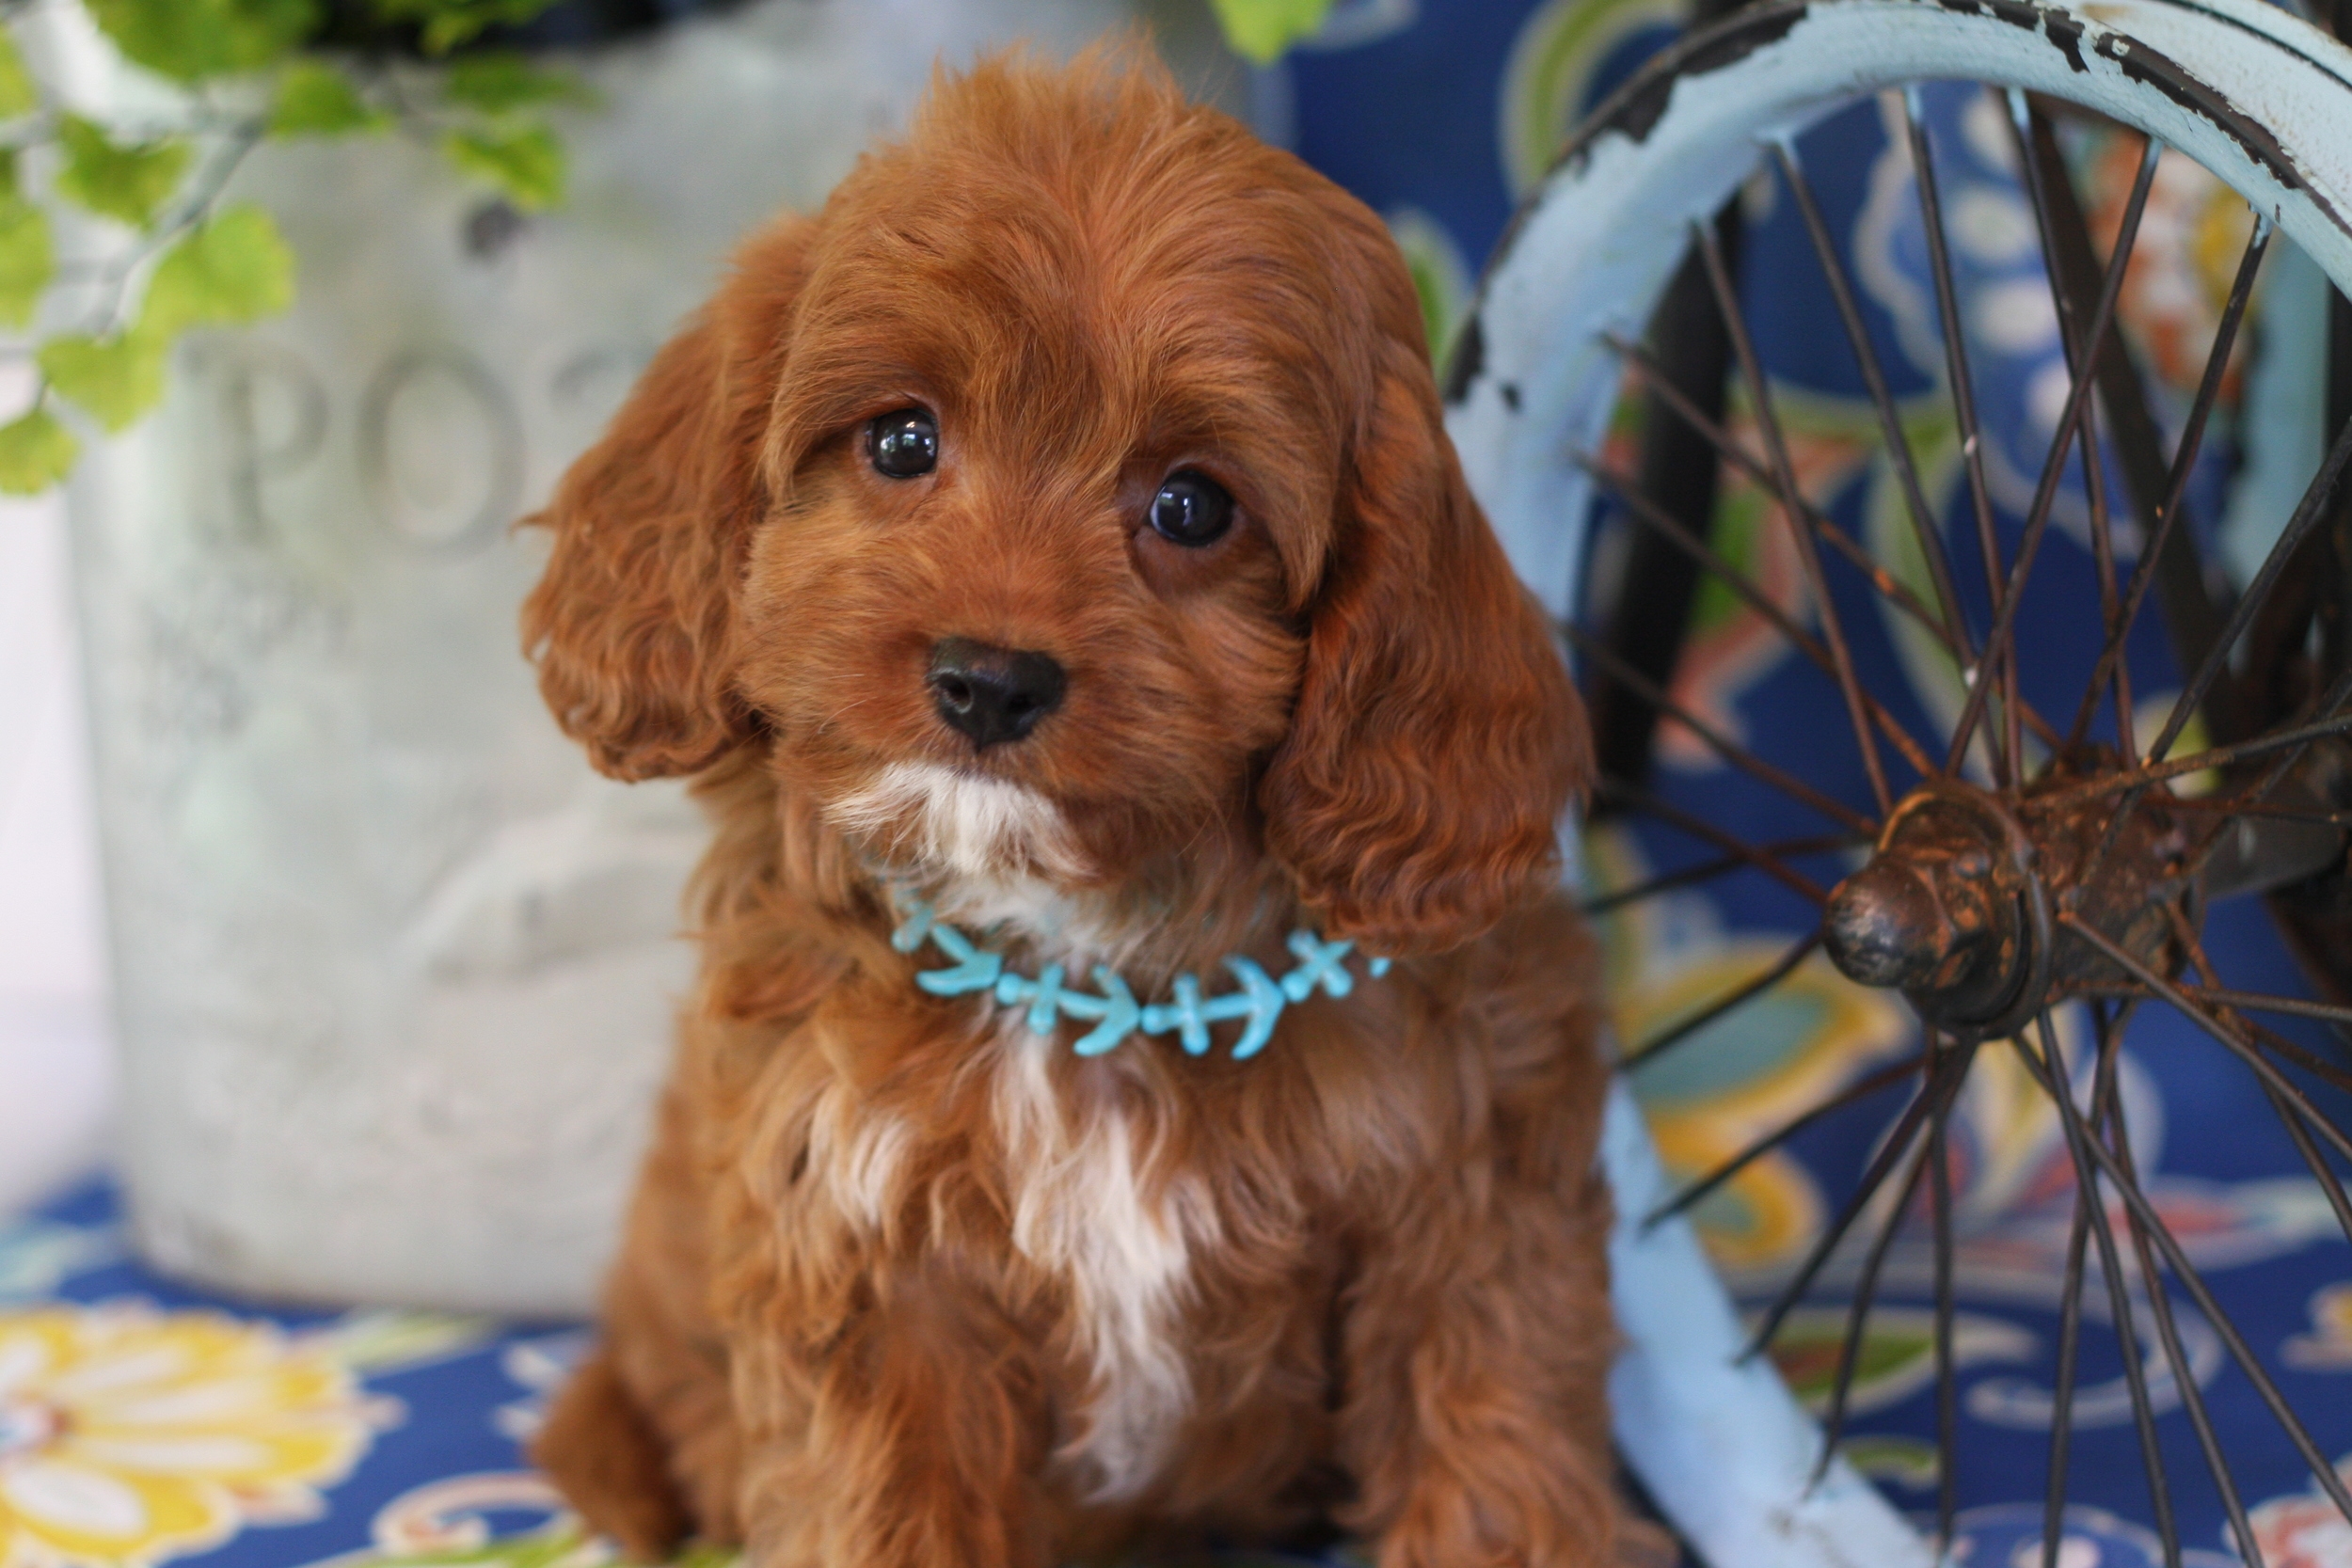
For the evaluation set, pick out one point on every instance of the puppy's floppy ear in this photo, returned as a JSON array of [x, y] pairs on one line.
[[1437, 738], [631, 623]]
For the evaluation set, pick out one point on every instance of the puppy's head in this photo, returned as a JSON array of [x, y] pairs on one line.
[[1070, 491]]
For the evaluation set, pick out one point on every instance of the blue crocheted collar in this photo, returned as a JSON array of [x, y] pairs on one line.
[[1116, 1014]]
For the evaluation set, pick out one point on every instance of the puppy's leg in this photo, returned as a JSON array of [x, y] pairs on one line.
[[605, 1457], [670, 1359], [1476, 1414], [914, 1441], [643, 1440]]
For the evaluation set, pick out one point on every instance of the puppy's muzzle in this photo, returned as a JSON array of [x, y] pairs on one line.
[[990, 693]]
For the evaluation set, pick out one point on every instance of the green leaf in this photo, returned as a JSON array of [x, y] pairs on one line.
[[524, 162], [498, 83], [114, 379], [447, 24], [126, 182], [27, 262], [35, 451], [190, 39], [1260, 30], [315, 100], [18, 93], [231, 269]]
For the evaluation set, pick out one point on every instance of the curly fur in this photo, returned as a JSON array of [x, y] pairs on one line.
[[903, 1284]]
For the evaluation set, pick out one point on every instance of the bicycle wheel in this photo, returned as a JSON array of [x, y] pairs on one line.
[[2024, 857]]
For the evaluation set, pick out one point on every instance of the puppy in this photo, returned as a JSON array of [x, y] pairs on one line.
[[1052, 546]]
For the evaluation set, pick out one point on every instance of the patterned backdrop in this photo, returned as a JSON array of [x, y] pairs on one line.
[[140, 1423]]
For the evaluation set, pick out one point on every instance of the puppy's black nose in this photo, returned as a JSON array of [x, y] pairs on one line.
[[992, 694]]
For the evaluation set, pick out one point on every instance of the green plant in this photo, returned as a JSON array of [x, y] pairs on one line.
[[98, 306], [1261, 30]]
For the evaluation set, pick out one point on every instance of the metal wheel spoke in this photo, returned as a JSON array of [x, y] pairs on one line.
[[2191, 947], [2331, 702], [1721, 745], [2192, 1398], [1944, 1080], [1707, 832], [2323, 1174], [2264, 1003], [2319, 1068], [2000, 644], [2292, 744], [1654, 378], [2176, 485], [1947, 1370], [1964, 396], [2196, 762], [2215, 1026], [2087, 1159], [1861, 1089], [2147, 1227], [1924, 525], [1785, 484], [2234, 806], [1679, 473], [2106, 1111], [1650, 514], [2192, 1401], [2047, 180], [2148, 1223], [1710, 869], [2259, 1001], [2140, 444], [2308, 511], [2329, 1185], [1865, 1293], [2110, 601], [2070, 1349], [1739, 996]]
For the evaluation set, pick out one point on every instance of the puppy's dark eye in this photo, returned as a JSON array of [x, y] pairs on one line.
[[903, 444], [1192, 508]]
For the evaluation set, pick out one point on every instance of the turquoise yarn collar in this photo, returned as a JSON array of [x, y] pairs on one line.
[[1116, 1014]]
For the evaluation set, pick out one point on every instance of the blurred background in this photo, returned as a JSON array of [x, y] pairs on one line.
[[56, 1067]]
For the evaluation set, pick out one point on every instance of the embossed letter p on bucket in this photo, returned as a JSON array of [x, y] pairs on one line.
[[394, 968]]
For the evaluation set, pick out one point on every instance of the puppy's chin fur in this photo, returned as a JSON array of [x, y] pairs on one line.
[[934, 820], [993, 855]]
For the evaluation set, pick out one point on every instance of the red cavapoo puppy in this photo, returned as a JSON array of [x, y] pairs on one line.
[[1054, 538]]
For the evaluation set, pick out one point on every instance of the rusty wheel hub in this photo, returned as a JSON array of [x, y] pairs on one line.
[[1964, 903]]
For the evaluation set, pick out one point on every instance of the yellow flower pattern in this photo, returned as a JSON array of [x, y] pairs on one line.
[[130, 1435], [2328, 1347]]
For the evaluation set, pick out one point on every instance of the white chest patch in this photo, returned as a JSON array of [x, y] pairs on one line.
[[858, 1155], [1080, 1210]]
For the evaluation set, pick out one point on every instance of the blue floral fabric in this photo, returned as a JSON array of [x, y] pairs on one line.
[[143, 1423]]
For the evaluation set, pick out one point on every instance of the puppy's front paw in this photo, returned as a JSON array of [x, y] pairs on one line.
[[1530, 1503], [903, 1522], [602, 1455]]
